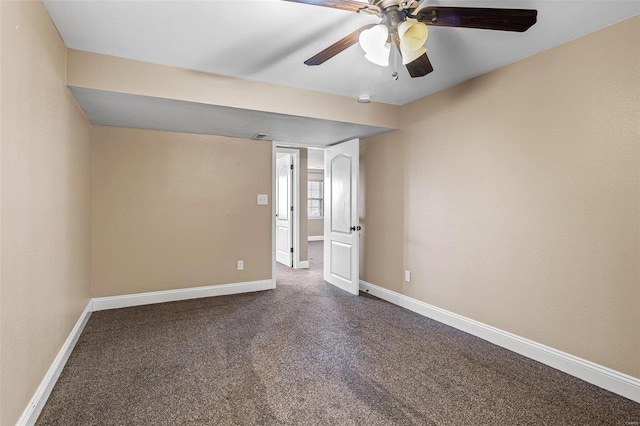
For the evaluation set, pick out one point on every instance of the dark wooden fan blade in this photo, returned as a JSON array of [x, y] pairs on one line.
[[337, 47], [350, 5], [519, 20], [418, 68]]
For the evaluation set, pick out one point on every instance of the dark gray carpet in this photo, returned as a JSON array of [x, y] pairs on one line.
[[308, 353]]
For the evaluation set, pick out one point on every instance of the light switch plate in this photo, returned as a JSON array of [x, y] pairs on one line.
[[263, 199]]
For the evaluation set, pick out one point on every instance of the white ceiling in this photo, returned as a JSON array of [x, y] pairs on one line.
[[269, 40]]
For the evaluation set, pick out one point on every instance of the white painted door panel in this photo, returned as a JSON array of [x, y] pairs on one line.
[[284, 240], [341, 247]]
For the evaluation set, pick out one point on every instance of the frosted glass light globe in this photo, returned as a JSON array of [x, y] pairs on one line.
[[374, 43]]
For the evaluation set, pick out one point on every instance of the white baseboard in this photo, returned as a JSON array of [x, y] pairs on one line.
[[31, 413], [303, 264], [126, 300], [606, 378], [315, 238]]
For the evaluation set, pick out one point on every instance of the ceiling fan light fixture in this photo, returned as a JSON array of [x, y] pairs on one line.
[[374, 38], [374, 43], [380, 57], [405, 25], [409, 56], [413, 34]]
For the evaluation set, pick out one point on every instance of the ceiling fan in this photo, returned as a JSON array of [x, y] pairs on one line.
[[405, 23]]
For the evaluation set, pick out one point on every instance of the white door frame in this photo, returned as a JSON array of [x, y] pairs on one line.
[[296, 206]]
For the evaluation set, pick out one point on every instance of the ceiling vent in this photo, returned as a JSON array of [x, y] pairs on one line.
[[259, 136]]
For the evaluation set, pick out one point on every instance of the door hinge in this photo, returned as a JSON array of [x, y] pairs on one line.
[[291, 208], [292, 167], [291, 249]]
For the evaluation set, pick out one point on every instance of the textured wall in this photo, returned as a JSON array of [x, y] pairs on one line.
[[46, 204], [520, 200], [174, 210], [382, 211], [316, 227]]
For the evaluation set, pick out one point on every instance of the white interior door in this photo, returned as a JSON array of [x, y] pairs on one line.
[[341, 228], [284, 216]]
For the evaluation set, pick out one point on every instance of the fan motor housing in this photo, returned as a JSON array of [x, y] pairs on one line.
[[393, 17]]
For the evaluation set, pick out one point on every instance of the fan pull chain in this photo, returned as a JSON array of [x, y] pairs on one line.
[[394, 74]]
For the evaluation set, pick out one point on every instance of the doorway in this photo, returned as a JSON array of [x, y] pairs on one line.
[[324, 226]]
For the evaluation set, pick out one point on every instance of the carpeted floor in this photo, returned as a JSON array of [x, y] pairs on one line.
[[308, 353]]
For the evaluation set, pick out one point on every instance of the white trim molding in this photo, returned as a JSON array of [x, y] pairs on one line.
[[126, 300], [31, 413], [315, 238], [303, 264], [606, 378]]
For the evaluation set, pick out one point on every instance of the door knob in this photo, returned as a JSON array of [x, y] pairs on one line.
[[356, 228]]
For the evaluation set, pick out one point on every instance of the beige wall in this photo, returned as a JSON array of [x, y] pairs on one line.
[[174, 210], [382, 240], [316, 227], [46, 204], [521, 201]]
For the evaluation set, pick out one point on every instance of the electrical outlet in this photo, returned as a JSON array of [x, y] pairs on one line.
[[240, 265], [407, 276], [263, 199]]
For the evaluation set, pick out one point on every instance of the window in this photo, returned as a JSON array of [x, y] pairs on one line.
[[315, 194]]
